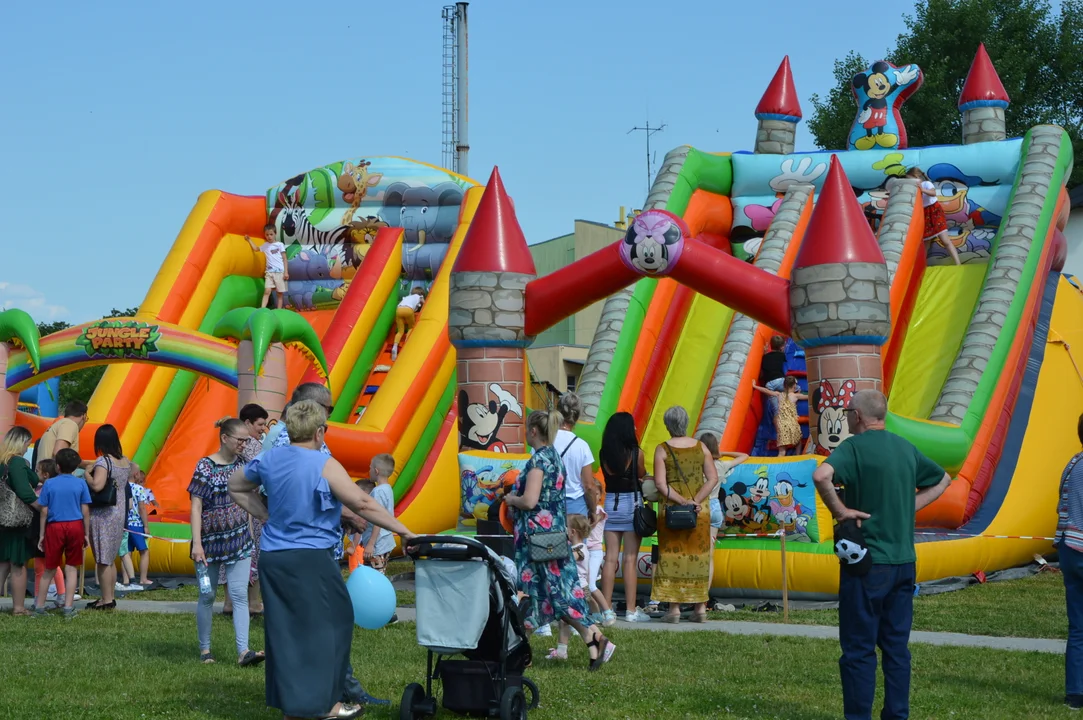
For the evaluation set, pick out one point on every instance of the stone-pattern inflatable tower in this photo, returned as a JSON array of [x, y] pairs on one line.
[[983, 102], [840, 307], [486, 324], [778, 113]]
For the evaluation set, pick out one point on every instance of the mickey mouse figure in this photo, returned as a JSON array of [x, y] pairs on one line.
[[877, 88]]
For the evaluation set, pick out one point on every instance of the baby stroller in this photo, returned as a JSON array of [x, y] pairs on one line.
[[454, 576]]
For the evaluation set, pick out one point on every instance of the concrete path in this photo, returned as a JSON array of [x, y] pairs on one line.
[[818, 632]]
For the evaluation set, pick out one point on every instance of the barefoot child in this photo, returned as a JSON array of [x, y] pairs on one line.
[[277, 273], [936, 224], [787, 426], [65, 526], [406, 317]]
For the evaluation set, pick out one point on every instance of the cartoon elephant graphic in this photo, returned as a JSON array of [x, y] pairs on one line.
[[309, 270], [427, 214]]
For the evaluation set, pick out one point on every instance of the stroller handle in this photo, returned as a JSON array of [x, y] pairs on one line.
[[436, 546]]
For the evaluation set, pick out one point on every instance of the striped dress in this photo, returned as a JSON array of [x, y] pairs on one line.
[[1070, 507]]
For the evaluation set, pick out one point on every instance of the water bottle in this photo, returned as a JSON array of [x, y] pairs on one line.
[[204, 579]]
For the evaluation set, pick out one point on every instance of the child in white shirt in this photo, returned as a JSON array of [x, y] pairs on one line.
[[277, 273]]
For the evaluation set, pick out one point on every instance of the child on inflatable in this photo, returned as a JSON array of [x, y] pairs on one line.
[[936, 223]]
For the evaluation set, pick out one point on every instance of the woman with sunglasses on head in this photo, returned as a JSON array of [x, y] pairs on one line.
[[221, 538]]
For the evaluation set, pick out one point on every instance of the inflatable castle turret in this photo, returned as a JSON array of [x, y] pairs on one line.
[[983, 102], [778, 113], [486, 324], [840, 305]]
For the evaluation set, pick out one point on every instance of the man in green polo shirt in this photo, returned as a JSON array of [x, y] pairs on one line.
[[886, 480]]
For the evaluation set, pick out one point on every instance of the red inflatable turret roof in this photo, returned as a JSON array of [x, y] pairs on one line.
[[838, 231], [982, 87], [780, 101], [495, 242]]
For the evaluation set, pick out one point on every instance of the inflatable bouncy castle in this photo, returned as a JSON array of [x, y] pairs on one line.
[[825, 248]]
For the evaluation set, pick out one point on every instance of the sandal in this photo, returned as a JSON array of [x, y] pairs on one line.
[[700, 617], [602, 643], [671, 618], [251, 658], [207, 658]]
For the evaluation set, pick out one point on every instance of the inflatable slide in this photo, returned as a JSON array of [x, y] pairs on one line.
[[977, 366], [359, 234]]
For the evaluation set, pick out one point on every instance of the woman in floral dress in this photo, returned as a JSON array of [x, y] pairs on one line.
[[255, 423], [538, 501], [221, 538]]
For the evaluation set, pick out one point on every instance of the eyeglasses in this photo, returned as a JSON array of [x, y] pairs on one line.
[[238, 439], [329, 408]]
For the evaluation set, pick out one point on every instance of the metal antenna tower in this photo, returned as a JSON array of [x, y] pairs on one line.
[[448, 86], [454, 89], [649, 131]]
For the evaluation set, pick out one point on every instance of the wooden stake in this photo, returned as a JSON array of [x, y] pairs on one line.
[[785, 580]]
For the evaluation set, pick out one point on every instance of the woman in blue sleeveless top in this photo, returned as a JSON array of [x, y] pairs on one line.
[[309, 616]]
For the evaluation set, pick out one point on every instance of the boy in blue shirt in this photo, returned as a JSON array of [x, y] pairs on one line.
[[65, 526]]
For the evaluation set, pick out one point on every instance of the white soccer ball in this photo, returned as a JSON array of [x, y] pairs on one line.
[[849, 552]]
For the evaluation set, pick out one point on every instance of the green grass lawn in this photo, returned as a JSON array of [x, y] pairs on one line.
[[190, 593], [128, 666], [1032, 607]]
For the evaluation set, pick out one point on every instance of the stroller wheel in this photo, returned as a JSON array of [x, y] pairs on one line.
[[513, 704], [535, 694], [413, 703]]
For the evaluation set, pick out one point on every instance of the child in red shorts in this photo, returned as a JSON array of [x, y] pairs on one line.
[[65, 524]]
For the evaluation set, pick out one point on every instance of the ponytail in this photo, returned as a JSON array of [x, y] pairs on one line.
[[545, 423]]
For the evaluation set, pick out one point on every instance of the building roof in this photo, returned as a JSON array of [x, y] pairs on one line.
[[982, 87], [495, 241], [838, 231], [779, 101]]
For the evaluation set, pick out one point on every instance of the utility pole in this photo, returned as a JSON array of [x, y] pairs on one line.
[[648, 130]]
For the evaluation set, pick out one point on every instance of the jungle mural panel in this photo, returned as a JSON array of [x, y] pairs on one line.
[[329, 217]]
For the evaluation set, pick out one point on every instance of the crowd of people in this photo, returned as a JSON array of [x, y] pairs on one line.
[[273, 514]]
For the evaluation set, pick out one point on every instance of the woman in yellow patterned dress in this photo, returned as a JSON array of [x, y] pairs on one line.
[[685, 475]]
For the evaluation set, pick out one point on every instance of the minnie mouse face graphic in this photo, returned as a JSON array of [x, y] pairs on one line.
[[654, 242], [831, 407]]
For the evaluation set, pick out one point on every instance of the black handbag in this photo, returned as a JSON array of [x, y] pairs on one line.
[[550, 545], [644, 518], [107, 496], [680, 517]]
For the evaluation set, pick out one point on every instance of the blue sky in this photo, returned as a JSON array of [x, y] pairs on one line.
[[117, 115]]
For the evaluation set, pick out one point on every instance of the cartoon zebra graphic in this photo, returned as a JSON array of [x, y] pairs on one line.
[[297, 228]]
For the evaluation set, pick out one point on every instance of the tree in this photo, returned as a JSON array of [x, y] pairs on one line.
[[1037, 54], [80, 384]]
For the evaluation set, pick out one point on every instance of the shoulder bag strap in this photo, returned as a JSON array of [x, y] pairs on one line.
[[676, 464], [569, 447]]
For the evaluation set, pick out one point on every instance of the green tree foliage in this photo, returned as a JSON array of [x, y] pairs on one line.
[[80, 384], [1038, 55]]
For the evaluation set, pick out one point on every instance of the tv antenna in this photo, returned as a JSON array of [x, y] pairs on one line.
[[648, 130]]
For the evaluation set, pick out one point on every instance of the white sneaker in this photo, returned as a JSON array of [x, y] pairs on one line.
[[120, 587], [133, 587], [544, 631], [637, 616]]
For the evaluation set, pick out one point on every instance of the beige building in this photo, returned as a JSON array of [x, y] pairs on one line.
[[557, 355]]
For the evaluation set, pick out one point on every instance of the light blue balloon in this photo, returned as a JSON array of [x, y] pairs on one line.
[[373, 598]]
